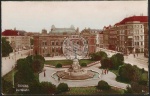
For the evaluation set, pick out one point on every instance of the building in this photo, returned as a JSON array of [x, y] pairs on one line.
[[131, 34], [146, 40], [50, 44], [106, 37], [112, 37], [91, 39], [17, 39], [101, 40]]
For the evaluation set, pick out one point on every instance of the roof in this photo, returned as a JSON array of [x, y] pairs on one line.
[[61, 30], [12, 33], [133, 18]]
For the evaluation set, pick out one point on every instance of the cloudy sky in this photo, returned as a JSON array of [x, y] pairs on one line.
[[33, 16]]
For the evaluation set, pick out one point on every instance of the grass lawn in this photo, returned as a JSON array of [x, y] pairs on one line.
[[90, 91], [55, 62], [9, 75], [67, 62], [115, 72]]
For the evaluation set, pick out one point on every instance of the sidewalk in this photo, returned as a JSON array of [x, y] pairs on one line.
[[9, 62], [140, 60]]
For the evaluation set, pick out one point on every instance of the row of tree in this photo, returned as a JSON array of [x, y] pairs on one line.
[[6, 48]]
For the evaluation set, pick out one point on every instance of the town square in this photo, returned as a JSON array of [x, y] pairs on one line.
[[72, 48]]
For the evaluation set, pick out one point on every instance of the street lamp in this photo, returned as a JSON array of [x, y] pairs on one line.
[[125, 47]]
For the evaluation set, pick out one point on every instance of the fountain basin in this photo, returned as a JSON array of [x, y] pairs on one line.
[[88, 74]]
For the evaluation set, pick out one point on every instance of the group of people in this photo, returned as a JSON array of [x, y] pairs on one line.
[[104, 71]]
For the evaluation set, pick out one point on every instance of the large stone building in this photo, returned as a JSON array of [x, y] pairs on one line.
[[17, 39], [146, 40], [131, 32], [50, 44], [126, 35]]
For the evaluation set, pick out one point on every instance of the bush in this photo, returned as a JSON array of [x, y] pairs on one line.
[[83, 64], [103, 85], [62, 87], [47, 88], [98, 56], [58, 65]]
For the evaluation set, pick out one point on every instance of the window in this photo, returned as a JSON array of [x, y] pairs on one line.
[[56, 43], [52, 49], [141, 43], [52, 43]]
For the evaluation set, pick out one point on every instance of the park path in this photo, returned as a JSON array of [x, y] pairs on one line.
[[110, 78]]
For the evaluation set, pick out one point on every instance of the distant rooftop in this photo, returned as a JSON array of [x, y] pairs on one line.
[[62, 30], [133, 18]]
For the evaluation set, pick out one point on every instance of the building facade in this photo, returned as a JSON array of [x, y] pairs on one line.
[[127, 36], [17, 39], [146, 40], [131, 34], [101, 40], [50, 44]]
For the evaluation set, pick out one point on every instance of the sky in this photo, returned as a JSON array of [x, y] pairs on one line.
[[33, 16]]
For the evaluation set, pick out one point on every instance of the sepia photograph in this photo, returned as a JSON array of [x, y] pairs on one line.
[[74, 48]]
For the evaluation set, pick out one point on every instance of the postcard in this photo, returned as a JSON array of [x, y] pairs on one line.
[[74, 48]]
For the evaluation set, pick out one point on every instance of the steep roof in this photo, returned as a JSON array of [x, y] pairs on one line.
[[133, 18]]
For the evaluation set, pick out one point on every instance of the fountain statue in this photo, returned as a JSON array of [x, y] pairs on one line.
[[75, 72]]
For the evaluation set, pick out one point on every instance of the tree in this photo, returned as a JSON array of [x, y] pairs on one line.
[[24, 73], [106, 63], [103, 85], [36, 63], [98, 56], [129, 73], [6, 48], [117, 60]]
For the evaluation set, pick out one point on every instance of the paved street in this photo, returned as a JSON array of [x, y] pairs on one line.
[[110, 78], [139, 60], [9, 62]]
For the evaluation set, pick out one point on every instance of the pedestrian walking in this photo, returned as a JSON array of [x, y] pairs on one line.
[[58, 79], [105, 71], [44, 73], [102, 71], [134, 55]]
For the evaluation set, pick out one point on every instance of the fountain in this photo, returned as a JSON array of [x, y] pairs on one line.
[[75, 72]]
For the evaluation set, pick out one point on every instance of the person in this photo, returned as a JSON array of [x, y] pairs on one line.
[[134, 55], [107, 70], [44, 73], [58, 79]]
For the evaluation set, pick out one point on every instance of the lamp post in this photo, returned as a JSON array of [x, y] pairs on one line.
[[125, 48]]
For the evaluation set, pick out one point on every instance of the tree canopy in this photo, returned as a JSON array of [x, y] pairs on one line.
[[6, 48]]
